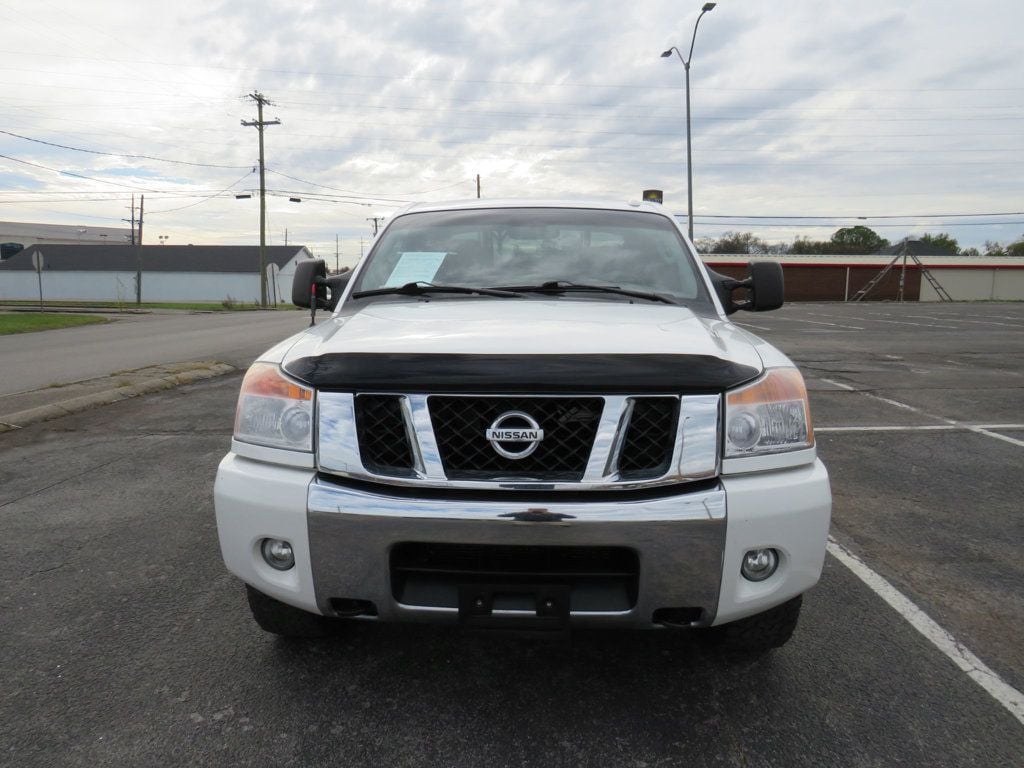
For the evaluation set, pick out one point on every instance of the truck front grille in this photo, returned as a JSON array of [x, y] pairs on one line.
[[383, 439], [650, 437], [569, 424], [588, 441]]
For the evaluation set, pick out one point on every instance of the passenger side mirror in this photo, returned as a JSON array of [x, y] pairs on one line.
[[767, 287], [764, 286]]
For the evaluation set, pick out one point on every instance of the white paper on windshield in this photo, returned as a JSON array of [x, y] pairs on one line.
[[415, 267]]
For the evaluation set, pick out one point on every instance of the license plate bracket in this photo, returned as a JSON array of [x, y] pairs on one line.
[[514, 606]]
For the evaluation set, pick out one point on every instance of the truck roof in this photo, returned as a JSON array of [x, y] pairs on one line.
[[518, 202]]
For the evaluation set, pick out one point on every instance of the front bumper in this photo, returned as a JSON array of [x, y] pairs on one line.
[[688, 546]]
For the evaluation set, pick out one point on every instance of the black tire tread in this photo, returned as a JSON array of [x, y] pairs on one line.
[[285, 620], [761, 632]]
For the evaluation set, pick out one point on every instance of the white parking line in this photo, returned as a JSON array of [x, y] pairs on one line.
[[919, 428], [822, 322], [751, 325], [981, 430], [992, 320], [976, 669], [902, 322], [840, 384], [954, 422]]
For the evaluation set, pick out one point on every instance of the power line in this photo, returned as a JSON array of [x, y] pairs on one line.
[[210, 197], [121, 154], [860, 216], [366, 195], [76, 175]]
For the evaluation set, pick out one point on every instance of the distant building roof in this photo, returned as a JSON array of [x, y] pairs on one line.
[[915, 248], [155, 258], [25, 232]]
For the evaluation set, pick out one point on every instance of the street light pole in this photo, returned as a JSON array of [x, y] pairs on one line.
[[689, 152]]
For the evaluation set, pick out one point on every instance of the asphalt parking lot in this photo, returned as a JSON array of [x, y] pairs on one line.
[[124, 642]]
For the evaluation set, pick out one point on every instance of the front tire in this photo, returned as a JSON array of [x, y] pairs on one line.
[[285, 620], [759, 633]]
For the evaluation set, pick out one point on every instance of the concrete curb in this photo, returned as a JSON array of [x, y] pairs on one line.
[[19, 419]]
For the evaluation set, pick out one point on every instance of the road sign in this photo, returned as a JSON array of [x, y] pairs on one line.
[[37, 260]]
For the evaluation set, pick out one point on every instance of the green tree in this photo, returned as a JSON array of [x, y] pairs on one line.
[[738, 242], [943, 241], [806, 246], [859, 239], [704, 244], [1015, 249], [992, 248]]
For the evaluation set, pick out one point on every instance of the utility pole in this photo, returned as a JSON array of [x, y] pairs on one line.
[[376, 223], [478, 186], [132, 219], [138, 255], [337, 255], [259, 124], [286, 235], [360, 249]]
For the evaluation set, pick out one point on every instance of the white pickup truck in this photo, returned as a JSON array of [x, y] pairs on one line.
[[527, 415]]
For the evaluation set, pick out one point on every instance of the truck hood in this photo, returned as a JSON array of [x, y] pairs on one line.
[[462, 335]]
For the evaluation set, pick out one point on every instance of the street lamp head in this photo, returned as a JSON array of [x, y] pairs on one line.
[[708, 6], [667, 53]]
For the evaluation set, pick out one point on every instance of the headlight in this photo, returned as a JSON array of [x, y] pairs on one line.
[[769, 416], [274, 410]]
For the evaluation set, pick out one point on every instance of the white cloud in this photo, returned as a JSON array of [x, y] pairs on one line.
[[799, 108]]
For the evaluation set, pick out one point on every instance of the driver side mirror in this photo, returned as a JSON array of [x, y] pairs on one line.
[[311, 287], [764, 286]]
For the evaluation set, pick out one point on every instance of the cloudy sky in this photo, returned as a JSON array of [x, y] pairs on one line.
[[801, 108]]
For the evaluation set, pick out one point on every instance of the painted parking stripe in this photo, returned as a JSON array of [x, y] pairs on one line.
[[965, 320], [751, 325], [919, 428], [840, 384], [834, 325], [1008, 696], [903, 322], [991, 321], [954, 422], [981, 430]]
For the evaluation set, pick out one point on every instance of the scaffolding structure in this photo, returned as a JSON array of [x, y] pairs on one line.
[[902, 255]]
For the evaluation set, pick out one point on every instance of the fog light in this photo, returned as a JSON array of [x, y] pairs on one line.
[[278, 554], [759, 564]]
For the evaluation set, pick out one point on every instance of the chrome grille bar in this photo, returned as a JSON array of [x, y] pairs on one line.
[[695, 453]]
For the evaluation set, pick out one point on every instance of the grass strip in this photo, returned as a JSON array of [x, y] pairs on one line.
[[26, 322]]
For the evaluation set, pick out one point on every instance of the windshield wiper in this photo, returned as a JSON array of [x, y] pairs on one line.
[[422, 288], [564, 286]]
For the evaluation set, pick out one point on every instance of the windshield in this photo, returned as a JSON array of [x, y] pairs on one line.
[[531, 246]]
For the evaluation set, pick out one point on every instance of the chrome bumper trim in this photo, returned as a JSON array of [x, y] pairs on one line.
[[328, 498], [679, 540]]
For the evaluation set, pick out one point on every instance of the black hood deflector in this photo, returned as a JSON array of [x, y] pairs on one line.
[[511, 374]]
